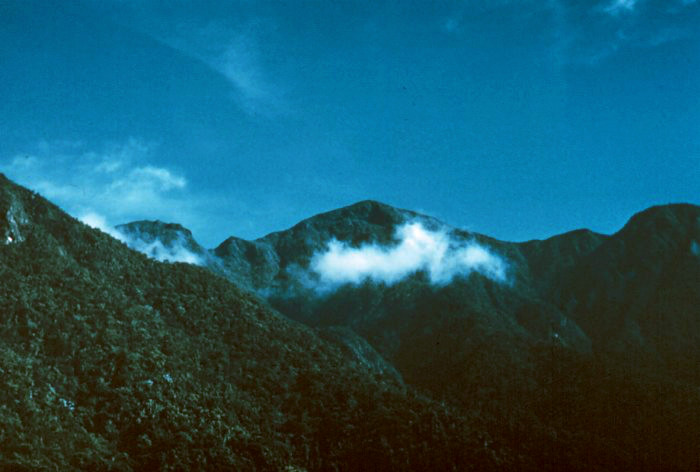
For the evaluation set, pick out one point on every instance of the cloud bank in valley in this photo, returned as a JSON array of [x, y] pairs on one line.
[[418, 249]]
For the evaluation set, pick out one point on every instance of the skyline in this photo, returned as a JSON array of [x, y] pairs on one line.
[[518, 120]]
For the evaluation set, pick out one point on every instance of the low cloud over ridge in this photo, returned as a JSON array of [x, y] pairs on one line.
[[418, 249], [155, 249]]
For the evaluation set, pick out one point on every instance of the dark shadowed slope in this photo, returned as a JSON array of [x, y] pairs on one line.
[[584, 357], [638, 293], [636, 289], [557, 361]]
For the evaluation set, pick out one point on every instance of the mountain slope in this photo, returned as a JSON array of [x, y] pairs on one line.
[[556, 361], [166, 242], [112, 361], [262, 263], [639, 291], [639, 286]]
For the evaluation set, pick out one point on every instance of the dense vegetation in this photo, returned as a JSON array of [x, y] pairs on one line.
[[111, 361], [586, 360]]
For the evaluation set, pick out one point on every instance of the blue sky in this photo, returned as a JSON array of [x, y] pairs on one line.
[[518, 119]]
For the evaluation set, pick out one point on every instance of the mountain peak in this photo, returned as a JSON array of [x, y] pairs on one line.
[[665, 217], [354, 222], [163, 241], [156, 228], [370, 211], [367, 221]]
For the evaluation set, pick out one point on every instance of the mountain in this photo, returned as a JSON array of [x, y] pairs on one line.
[[170, 235], [638, 293], [578, 352], [266, 262], [165, 242], [113, 361], [557, 359]]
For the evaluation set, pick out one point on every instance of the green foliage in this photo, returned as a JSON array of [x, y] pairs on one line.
[[111, 361]]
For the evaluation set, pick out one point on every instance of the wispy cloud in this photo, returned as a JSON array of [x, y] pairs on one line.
[[97, 221], [228, 39], [418, 249], [232, 49], [617, 7], [117, 181], [236, 54], [667, 35], [458, 18], [240, 62], [175, 251], [115, 184], [588, 34]]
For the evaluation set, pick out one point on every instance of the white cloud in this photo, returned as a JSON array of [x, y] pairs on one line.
[[240, 65], [117, 181], [589, 35], [138, 185], [229, 43], [97, 221], [239, 59], [175, 251], [233, 50], [418, 249], [620, 6], [667, 35], [109, 166]]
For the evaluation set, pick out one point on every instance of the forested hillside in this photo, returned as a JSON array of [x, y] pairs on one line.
[[583, 357], [112, 361]]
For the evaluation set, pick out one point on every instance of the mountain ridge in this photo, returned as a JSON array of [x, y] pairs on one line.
[[548, 370], [623, 303], [270, 250], [113, 361]]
